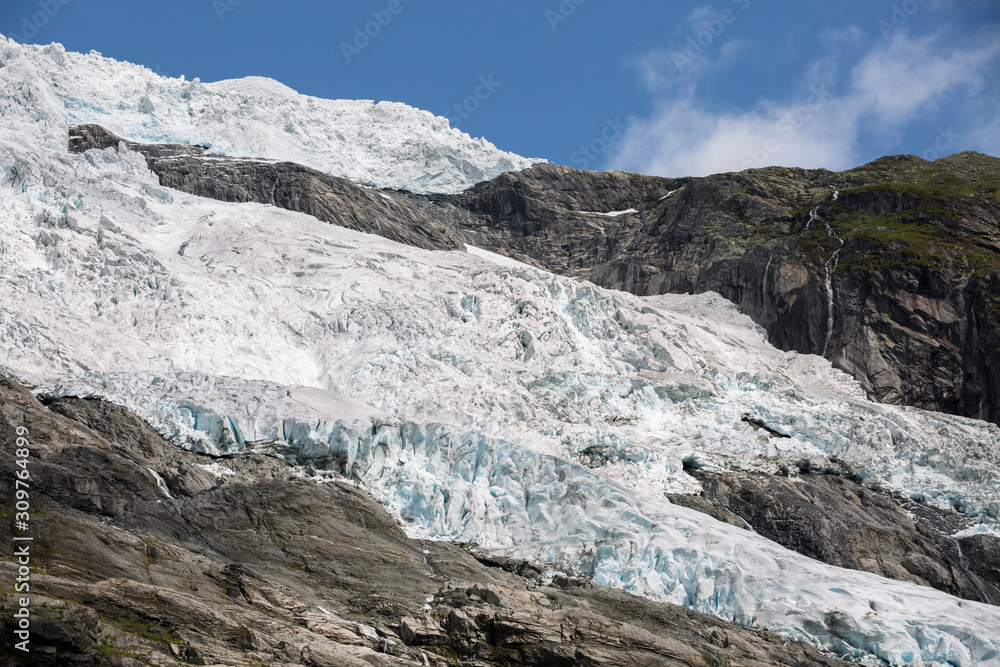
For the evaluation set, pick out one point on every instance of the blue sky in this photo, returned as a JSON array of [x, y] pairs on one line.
[[671, 88]]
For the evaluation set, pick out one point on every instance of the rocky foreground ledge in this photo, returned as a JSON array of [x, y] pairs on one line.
[[145, 554]]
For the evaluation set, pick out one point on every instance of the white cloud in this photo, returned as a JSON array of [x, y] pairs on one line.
[[899, 81], [896, 82], [702, 48]]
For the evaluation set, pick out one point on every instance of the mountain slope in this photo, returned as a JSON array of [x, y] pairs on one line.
[[154, 555], [461, 391], [479, 399], [911, 249], [895, 280]]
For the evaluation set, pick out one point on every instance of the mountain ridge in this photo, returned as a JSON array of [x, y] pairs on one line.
[[443, 396], [909, 309], [389, 144]]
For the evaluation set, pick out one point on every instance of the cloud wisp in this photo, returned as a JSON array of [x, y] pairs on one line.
[[829, 120]]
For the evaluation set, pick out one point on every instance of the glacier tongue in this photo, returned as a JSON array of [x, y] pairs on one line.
[[389, 145], [449, 482], [462, 389]]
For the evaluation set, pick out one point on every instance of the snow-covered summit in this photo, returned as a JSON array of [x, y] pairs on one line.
[[389, 145]]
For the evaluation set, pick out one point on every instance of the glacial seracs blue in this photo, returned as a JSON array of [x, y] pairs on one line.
[[459, 388]]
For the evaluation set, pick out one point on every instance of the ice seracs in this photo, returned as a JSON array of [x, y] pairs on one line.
[[387, 144], [244, 328]]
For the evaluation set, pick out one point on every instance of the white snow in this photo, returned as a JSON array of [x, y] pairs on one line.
[[462, 389], [389, 145], [368, 631], [992, 530], [613, 214], [216, 469], [160, 484]]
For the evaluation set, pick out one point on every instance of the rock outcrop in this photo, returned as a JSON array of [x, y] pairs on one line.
[[399, 216], [890, 270], [145, 554], [838, 521], [911, 250]]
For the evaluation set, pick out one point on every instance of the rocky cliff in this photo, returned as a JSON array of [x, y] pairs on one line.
[[830, 517], [248, 559], [145, 554], [890, 270]]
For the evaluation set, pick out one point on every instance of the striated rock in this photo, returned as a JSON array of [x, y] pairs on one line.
[[916, 306], [262, 566], [399, 216], [838, 521], [981, 554]]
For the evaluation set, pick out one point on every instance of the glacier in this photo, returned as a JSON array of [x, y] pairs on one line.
[[389, 145], [462, 389]]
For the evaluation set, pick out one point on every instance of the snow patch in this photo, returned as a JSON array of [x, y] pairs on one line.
[[612, 214], [216, 469], [160, 484]]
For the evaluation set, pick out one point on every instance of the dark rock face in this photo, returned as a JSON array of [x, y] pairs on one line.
[[549, 215], [838, 521], [141, 555], [915, 300], [896, 281], [399, 216], [981, 554]]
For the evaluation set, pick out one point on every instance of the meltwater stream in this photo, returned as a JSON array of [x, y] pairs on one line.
[[764, 299], [813, 216], [830, 267]]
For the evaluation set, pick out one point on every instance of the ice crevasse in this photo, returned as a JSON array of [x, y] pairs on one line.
[[461, 389]]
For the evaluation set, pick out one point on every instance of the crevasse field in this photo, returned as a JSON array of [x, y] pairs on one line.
[[461, 389]]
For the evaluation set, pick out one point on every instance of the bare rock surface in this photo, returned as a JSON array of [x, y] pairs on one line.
[[838, 521], [145, 554]]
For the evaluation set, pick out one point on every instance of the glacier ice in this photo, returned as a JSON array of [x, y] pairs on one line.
[[462, 389], [389, 145]]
